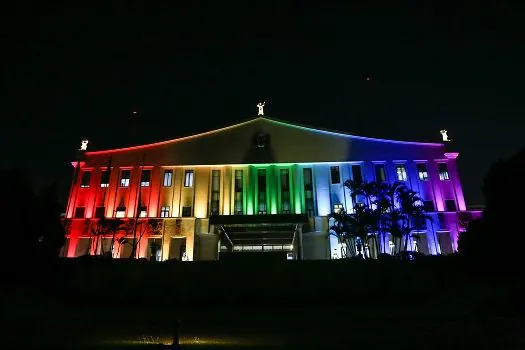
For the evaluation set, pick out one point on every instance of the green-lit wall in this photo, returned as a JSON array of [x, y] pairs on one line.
[[273, 188]]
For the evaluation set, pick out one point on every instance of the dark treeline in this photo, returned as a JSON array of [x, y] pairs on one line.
[[32, 231], [499, 236]]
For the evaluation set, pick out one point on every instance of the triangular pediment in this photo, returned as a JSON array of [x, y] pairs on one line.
[[260, 140]]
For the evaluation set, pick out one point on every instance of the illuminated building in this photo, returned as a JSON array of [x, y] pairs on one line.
[[260, 185]]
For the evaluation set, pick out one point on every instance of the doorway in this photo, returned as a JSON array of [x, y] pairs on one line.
[[178, 249]]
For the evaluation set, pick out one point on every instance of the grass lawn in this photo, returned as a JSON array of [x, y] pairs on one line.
[[42, 323], [129, 314]]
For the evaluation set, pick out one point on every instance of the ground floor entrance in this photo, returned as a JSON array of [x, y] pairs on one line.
[[275, 237], [255, 257]]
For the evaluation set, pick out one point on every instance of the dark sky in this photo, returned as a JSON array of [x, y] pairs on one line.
[[74, 71]]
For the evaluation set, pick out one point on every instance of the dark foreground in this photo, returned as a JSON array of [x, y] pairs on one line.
[[395, 307]]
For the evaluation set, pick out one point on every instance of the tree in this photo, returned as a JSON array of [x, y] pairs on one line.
[[379, 209], [353, 230], [142, 227], [396, 226], [361, 226], [107, 227], [32, 229], [476, 242], [121, 241], [339, 230], [504, 206], [412, 212]]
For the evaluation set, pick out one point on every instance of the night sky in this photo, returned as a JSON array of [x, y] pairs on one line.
[[73, 72]]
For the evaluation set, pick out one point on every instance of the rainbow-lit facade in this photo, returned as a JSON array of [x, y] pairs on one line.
[[269, 183]]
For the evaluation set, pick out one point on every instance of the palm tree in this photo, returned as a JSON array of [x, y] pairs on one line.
[[339, 230], [418, 222], [361, 225], [370, 191], [395, 223], [381, 203], [354, 230], [356, 189], [412, 209], [113, 227], [392, 208]]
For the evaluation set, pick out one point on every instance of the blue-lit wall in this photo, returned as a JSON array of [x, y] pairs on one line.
[[442, 231]]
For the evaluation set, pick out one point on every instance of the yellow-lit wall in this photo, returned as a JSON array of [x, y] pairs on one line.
[[201, 185], [226, 188]]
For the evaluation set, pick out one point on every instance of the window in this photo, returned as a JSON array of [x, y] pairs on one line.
[[186, 211], [168, 178], [428, 206], [261, 190], [188, 178], [359, 205], [104, 179], [80, 212], [380, 172], [100, 212], [285, 191], [215, 192], [443, 171], [338, 208], [442, 221], [309, 191], [143, 212], [165, 211], [334, 175], [356, 174], [145, 178], [124, 178], [86, 177], [237, 205], [121, 212], [422, 172], [401, 172], [419, 223], [450, 205]]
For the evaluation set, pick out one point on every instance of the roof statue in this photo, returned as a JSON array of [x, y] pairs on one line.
[[83, 145], [444, 135], [261, 108]]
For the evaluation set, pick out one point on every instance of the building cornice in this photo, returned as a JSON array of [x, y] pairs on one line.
[[452, 155]]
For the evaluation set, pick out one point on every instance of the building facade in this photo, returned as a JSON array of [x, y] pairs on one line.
[[260, 186]]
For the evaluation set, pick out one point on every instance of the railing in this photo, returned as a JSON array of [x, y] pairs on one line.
[[224, 236]]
